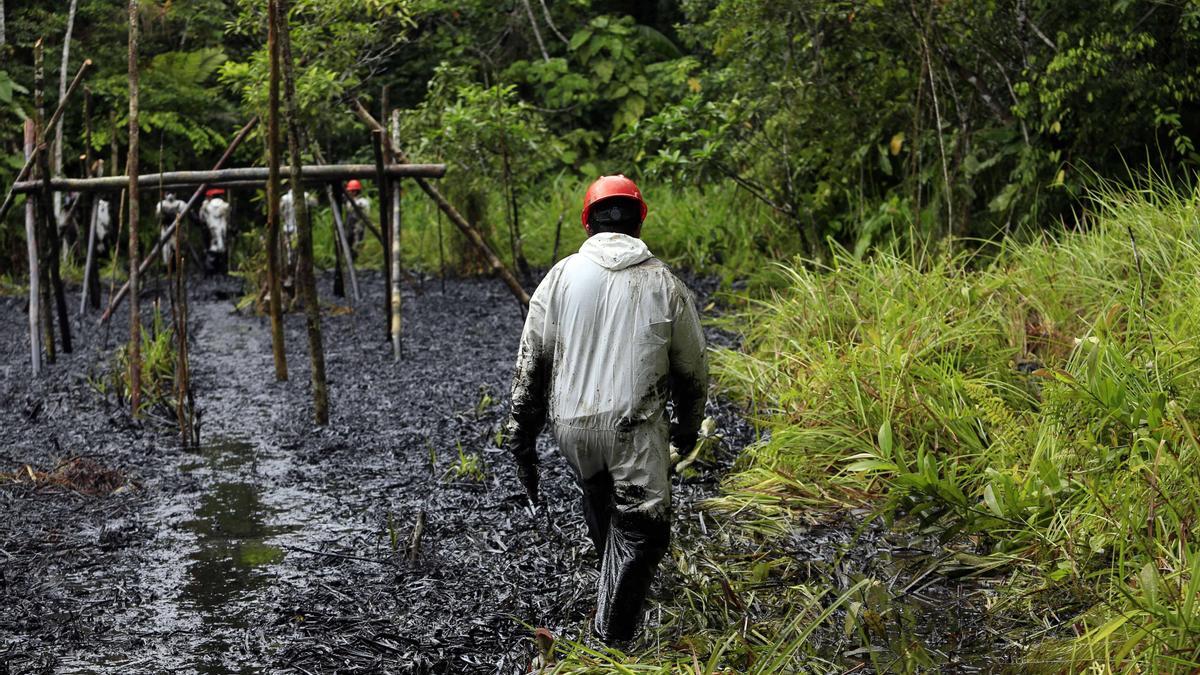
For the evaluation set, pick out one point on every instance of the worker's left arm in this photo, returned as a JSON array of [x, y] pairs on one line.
[[530, 391], [689, 371]]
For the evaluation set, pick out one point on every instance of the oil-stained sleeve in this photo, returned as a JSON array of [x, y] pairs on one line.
[[689, 370], [531, 381]]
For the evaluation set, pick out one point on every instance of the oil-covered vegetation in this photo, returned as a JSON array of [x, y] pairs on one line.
[[958, 239]]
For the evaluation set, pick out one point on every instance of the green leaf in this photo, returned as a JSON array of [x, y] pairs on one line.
[[604, 69], [885, 438], [579, 38]]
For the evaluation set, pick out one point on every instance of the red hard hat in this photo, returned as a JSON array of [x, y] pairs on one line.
[[214, 191], [353, 184], [610, 186]]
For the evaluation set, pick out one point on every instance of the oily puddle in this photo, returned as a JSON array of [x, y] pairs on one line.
[[233, 556]]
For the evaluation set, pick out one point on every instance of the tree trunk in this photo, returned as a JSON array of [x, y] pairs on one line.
[[31, 249], [274, 286], [306, 280], [131, 168], [3, 38], [62, 94]]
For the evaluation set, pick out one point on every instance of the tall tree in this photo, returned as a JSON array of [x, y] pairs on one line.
[[306, 281], [131, 168], [62, 93]]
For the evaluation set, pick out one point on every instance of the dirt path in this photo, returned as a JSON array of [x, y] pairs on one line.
[[277, 545]]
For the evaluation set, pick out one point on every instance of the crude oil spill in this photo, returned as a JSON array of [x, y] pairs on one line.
[[232, 557]]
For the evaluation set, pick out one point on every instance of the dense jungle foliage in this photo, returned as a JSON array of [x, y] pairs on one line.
[[857, 121], [979, 327]]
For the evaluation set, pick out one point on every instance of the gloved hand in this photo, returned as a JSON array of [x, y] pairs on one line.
[[527, 472]]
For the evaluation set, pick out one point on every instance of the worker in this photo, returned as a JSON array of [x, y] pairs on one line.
[[611, 334], [356, 226], [214, 213], [167, 210]]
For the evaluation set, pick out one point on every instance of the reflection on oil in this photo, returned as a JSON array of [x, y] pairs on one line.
[[232, 557]]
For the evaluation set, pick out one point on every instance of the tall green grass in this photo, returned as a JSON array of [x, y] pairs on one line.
[[1043, 404]]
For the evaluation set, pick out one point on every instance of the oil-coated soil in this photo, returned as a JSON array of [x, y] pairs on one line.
[[278, 546]]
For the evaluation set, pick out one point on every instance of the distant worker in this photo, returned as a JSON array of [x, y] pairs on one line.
[[611, 334], [356, 226], [167, 210], [214, 213], [103, 225], [287, 215]]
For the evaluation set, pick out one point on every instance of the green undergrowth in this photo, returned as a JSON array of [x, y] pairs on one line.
[[1036, 412], [1043, 406], [158, 384]]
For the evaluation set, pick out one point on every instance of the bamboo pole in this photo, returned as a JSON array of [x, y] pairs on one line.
[[131, 168], [28, 166], [343, 240], [470, 231], [152, 256], [306, 279], [378, 138], [31, 249], [397, 345], [274, 286], [245, 176]]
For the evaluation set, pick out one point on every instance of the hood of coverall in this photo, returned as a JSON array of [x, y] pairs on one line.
[[615, 251]]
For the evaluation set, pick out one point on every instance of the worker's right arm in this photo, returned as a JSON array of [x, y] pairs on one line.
[[689, 371]]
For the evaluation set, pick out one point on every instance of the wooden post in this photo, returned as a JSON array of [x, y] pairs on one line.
[[47, 202], [441, 254], [91, 286], [306, 279], [397, 345], [274, 285], [342, 241], [31, 249], [183, 411], [44, 247], [131, 168], [385, 228], [469, 231]]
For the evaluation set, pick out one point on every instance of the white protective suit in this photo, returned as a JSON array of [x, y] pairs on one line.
[[611, 334], [357, 226], [287, 213], [167, 210], [215, 214]]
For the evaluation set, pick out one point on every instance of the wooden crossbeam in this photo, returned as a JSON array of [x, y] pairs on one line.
[[316, 173]]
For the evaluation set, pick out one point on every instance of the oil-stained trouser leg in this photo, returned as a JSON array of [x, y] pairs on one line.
[[632, 519], [597, 507]]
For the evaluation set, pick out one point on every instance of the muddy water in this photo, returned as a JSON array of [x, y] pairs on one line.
[[233, 551]]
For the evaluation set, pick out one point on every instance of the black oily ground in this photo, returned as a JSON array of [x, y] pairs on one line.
[[93, 584]]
